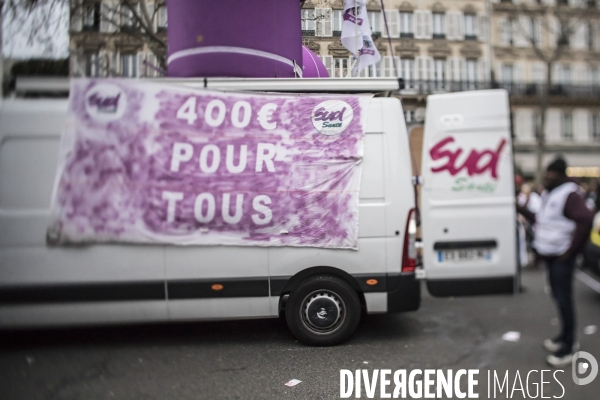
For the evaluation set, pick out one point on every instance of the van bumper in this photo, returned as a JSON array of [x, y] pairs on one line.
[[403, 292]]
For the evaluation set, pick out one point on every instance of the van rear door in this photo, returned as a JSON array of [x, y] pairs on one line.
[[468, 198]]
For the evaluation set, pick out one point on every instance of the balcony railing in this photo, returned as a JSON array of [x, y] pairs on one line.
[[537, 89], [429, 87], [514, 89]]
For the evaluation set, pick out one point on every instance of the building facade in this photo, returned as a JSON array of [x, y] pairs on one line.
[[435, 46], [531, 38], [111, 38]]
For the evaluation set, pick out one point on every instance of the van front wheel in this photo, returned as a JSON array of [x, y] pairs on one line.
[[323, 311]]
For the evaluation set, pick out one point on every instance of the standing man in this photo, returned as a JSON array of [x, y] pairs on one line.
[[562, 225]]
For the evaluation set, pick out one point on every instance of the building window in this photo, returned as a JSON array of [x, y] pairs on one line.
[[523, 124], [507, 73], [589, 37], [470, 27], [563, 33], [595, 126], [129, 65], [472, 73], [387, 66], [439, 28], [538, 72], [564, 74], [506, 32], [408, 72], [594, 77], [566, 125], [91, 17], [92, 67], [323, 20], [308, 22], [375, 21], [536, 31], [162, 17], [337, 23], [439, 73], [341, 67], [406, 24], [371, 71], [537, 123], [127, 18]]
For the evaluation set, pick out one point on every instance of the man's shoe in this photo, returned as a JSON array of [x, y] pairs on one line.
[[552, 345], [560, 359]]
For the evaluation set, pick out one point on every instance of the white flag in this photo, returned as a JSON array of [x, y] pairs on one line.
[[353, 25], [356, 34], [368, 55]]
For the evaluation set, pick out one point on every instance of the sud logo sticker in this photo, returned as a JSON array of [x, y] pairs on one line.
[[332, 117], [105, 102]]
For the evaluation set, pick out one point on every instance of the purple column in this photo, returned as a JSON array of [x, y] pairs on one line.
[[237, 38]]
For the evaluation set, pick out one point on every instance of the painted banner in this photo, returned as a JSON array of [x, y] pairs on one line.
[[158, 163]]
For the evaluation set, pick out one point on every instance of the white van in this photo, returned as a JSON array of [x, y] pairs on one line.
[[467, 218]]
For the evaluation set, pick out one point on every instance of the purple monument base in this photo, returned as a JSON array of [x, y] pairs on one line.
[[237, 38]]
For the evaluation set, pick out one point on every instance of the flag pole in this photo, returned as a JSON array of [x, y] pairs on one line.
[[355, 35]]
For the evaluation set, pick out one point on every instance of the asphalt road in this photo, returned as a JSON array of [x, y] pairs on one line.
[[254, 359]]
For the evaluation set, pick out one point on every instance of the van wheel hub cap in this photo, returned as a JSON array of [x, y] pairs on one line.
[[322, 311]]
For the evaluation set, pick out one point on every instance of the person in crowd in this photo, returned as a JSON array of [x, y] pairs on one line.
[[519, 180], [562, 225], [589, 195], [596, 189], [529, 198], [591, 253]]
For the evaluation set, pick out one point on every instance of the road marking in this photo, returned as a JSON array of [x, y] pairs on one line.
[[588, 280]]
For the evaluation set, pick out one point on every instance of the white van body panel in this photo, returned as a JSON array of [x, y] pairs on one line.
[[385, 200], [29, 143], [468, 213], [219, 263], [29, 136], [84, 313]]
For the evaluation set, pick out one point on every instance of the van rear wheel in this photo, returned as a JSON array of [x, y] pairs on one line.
[[323, 310]]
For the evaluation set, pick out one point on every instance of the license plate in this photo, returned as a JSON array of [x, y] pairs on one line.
[[461, 255]]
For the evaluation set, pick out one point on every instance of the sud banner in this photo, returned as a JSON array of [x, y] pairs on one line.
[[156, 163]]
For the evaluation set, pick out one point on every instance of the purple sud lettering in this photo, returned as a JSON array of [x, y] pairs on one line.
[[472, 164], [350, 16], [322, 115], [104, 104]]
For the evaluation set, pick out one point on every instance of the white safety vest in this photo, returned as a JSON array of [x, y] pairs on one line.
[[554, 231]]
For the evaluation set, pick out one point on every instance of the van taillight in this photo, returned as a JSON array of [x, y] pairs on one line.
[[409, 252]]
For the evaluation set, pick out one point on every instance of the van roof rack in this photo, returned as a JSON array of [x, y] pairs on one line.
[[49, 86], [347, 85], [28, 86]]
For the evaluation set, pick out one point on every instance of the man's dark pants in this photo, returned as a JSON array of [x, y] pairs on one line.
[[560, 274]]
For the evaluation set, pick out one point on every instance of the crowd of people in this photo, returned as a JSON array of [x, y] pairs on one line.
[[558, 221], [529, 197]]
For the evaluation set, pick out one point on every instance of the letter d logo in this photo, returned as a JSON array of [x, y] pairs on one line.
[[589, 365]]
